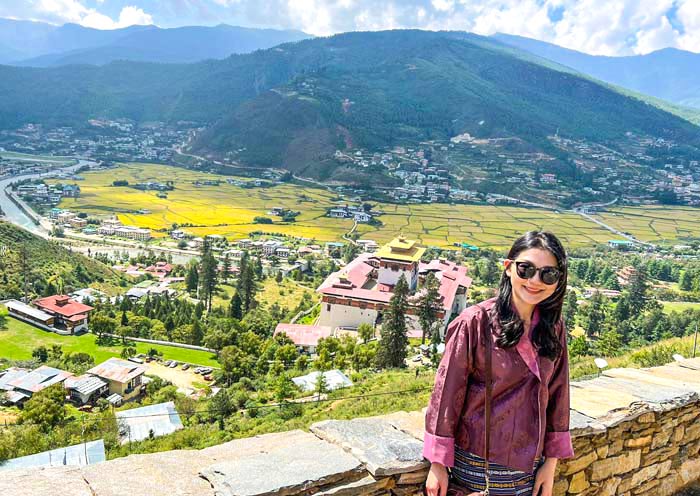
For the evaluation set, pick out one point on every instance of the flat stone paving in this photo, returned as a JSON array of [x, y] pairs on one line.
[[384, 449]]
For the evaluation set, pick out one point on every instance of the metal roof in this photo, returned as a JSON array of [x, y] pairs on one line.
[[15, 397], [27, 310], [87, 384], [116, 369], [78, 455], [335, 379], [39, 379], [138, 423], [11, 374]]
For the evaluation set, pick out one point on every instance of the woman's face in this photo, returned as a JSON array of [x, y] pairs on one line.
[[531, 291]]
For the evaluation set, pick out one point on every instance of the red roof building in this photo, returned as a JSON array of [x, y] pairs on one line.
[[68, 313], [362, 290]]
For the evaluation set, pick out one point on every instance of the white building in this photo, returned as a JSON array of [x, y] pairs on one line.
[[362, 290]]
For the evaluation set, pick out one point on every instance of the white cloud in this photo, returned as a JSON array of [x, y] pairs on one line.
[[606, 27], [689, 14], [76, 12], [661, 36]]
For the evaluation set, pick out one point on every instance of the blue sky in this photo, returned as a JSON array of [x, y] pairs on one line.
[[606, 27]]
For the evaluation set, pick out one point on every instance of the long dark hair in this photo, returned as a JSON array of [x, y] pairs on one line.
[[544, 335]]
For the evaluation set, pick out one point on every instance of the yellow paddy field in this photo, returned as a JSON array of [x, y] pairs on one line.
[[229, 210], [656, 224]]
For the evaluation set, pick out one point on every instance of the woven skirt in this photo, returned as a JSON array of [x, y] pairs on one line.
[[469, 472]]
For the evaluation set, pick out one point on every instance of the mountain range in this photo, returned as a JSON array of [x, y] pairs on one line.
[[670, 74], [36, 44], [293, 105]]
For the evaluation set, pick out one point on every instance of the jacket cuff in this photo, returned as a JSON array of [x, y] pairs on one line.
[[558, 445], [439, 449]]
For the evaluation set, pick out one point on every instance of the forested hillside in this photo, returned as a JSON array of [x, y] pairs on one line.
[[49, 267], [292, 106]]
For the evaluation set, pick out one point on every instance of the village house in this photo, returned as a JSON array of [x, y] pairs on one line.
[[362, 217], [338, 213], [270, 247], [160, 269], [86, 389], [367, 245], [26, 313], [304, 337], [23, 386], [68, 314], [124, 378], [362, 290]]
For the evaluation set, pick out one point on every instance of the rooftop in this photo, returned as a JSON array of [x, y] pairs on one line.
[[39, 379], [401, 249], [79, 455], [20, 307], [85, 384], [62, 305], [355, 281], [139, 423], [116, 369], [304, 335]]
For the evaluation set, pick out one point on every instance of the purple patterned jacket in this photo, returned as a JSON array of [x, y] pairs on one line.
[[529, 406]]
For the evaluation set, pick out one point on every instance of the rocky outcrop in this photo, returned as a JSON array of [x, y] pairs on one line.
[[635, 432]]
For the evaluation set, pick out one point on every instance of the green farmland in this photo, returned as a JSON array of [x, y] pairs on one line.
[[230, 211]]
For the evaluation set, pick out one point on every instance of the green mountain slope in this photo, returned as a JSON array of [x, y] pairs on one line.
[[669, 74], [295, 104], [438, 88], [49, 267]]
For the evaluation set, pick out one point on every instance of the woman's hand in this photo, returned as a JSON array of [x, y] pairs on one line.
[[437, 481], [544, 478]]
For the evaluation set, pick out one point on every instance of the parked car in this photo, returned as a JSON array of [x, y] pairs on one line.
[[167, 364], [173, 364], [208, 377], [206, 370], [185, 366]]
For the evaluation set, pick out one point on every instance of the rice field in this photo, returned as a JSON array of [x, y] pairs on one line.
[[229, 210], [656, 224]]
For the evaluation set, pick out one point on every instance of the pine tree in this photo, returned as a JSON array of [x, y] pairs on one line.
[[686, 281], [637, 292], [192, 278], [259, 269], [207, 277], [428, 306], [594, 316], [226, 267], [236, 306], [569, 310], [394, 340]]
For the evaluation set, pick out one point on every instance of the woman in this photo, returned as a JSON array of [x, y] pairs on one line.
[[530, 381]]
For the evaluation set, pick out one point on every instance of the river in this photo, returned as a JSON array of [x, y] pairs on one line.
[[13, 213]]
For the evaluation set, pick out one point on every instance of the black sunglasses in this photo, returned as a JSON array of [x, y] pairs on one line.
[[548, 275]]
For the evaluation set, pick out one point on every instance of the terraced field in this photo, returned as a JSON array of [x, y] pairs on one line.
[[229, 210], [656, 224]]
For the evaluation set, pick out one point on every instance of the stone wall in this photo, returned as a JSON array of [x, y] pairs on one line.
[[635, 432]]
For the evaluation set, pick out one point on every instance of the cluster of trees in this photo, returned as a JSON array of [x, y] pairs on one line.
[[42, 267], [634, 320]]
